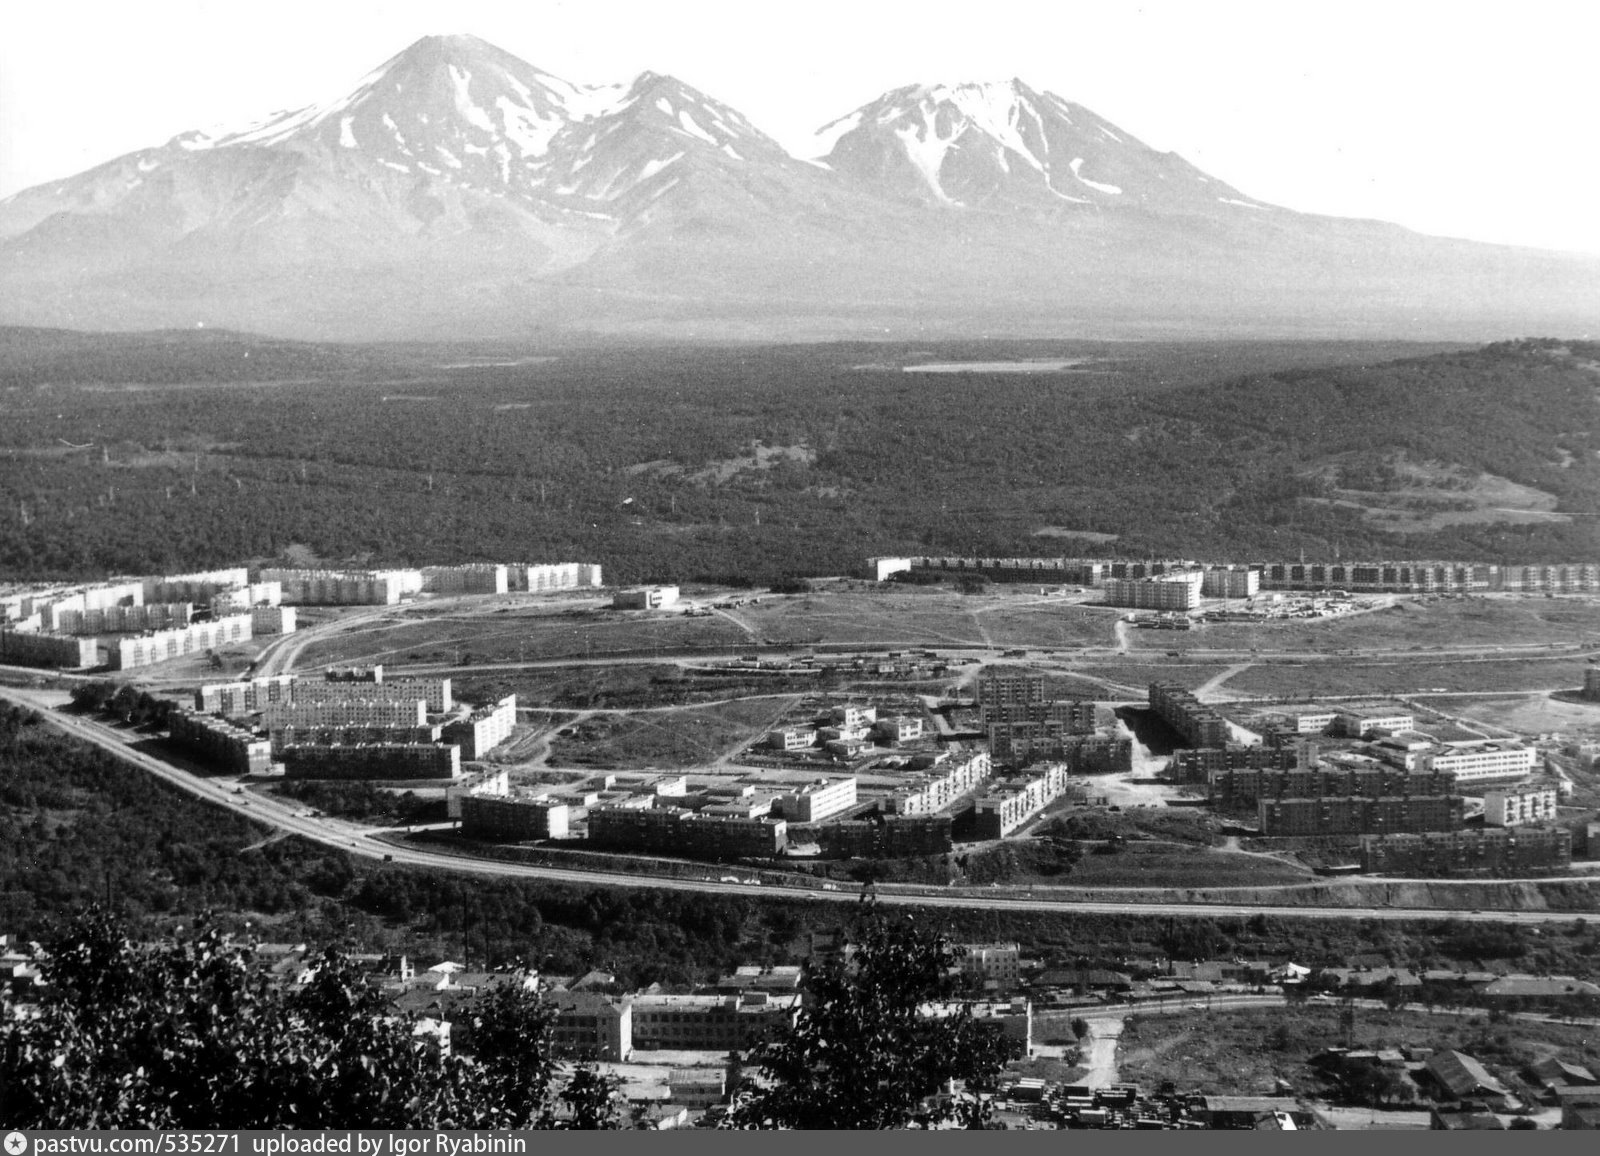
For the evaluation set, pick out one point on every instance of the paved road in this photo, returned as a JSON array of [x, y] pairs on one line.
[[361, 840]]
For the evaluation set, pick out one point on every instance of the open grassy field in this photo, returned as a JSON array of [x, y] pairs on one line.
[[1408, 624], [1404, 676], [1173, 865], [1245, 1051], [1141, 674], [513, 636], [690, 737], [622, 686], [1539, 713]]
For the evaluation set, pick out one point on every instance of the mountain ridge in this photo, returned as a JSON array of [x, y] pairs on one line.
[[459, 189]]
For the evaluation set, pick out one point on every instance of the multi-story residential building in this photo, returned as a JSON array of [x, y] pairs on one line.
[[126, 619], [53, 610], [220, 743], [645, 598], [721, 1023], [373, 761], [484, 729], [1512, 807], [199, 587], [1004, 694], [30, 648], [472, 578], [272, 619], [434, 692], [881, 837], [235, 699], [518, 816], [931, 792], [994, 968], [817, 800], [542, 578], [490, 782], [355, 735], [1196, 722], [1360, 816], [591, 1026], [792, 738], [1474, 762], [237, 599], [345, 587], [1012, 802], [1245, 787], [1231, 582], [1503, 851], [345, 712], [882, 569], [1178, 590], [1199, 765], [677, 832], [853, 717], [147, 649]]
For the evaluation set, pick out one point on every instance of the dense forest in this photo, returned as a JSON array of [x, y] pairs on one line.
[[169, 451], [76, 827]]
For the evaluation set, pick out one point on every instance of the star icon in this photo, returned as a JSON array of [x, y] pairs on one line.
[[16, 1144]]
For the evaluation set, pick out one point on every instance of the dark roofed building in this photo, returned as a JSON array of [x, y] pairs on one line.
[[1464, 1078]]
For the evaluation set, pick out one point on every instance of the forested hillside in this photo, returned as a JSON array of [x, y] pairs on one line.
[[170, 451]]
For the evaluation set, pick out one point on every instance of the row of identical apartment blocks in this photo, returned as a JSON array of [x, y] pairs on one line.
[[1507, 851], [1237, 788], [388, 587], [1230, 581], [1011, 802], [163, 645]]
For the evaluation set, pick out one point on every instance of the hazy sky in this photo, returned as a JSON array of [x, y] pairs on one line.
[[1466, 119]]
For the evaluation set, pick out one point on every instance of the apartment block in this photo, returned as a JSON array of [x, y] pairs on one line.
[[220, 743], [1199, 765], [1171, 591], [125, 619], [345, 587], [1514, 807], [1245, 787], [995, 968], [676, 832], [720, 1023], [472, 578], [434, 692], [546, 577], [1196, 722], [350, 735], [28, 648], [1493, 851], [880, 837], [483, 729], [235, 699], [345, 712], [53, 608], [591, 1026], [1012, 802], [491, 782], [373, 761], [162, 645], [882, 569], [1231, 582], [235, 599], [266, 620], [931, 792], [518, 817], [1357, 816], [198, 587], [817, 800]]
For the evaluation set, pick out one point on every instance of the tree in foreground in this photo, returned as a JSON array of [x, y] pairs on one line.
[[880, 1035], [190, 1035]]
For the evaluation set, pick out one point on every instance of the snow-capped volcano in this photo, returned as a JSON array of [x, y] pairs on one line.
[[997, 143], [457, 190]]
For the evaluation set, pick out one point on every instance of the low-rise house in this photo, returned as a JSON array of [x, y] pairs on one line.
[[1461, 1077]]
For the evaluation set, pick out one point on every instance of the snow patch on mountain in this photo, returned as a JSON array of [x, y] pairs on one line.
[[1077, 165]]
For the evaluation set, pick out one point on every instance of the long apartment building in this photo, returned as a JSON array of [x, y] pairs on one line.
[[471, 578], [220, 743], [930, 792], [1012, 802], [126, 619], [345, 587], [538, 578], [345, 712], [517, 816], [671, 831], [483, 729], [161, 645], [1199, 764], [1407, 814], [1516, 806], [1245, 787], [233, 599], [1230, 582], [372, 761], [198, 587], [1183, 712], [435, 692], [30, 648], [354, 734], [1493, 851], [1175, 591], [235, 699]]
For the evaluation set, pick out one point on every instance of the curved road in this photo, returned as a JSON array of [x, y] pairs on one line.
[[359, 840]]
